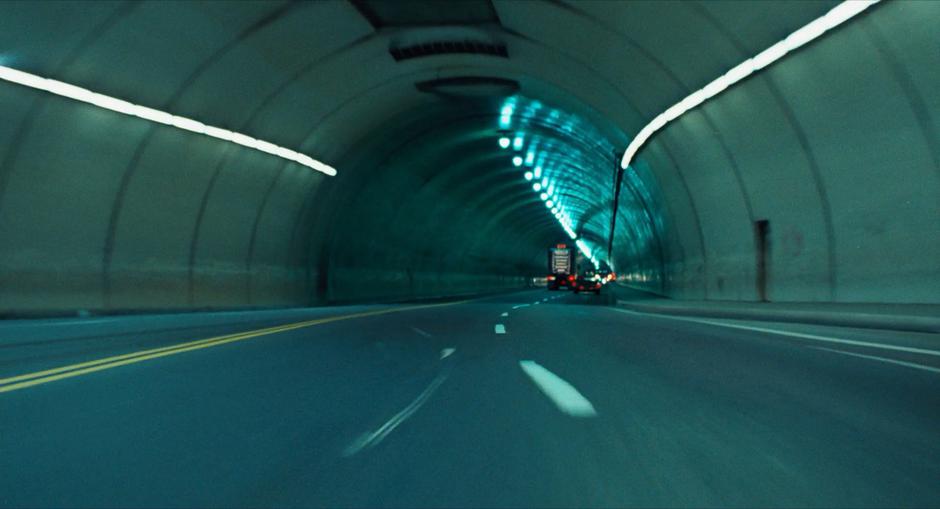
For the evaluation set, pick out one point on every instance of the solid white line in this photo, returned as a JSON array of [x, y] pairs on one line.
[[792, 334], [369, 440], [445, 353], [562, 393], [67, 323], [882, 359], [520, 306], [505, 314], [421, 332], [500, 328]]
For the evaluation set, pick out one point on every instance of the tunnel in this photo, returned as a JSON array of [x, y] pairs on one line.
[[215, 167], [406, 104]]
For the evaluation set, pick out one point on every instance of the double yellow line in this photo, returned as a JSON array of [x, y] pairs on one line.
[[83, 368]]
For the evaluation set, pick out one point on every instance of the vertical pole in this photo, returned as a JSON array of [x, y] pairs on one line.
[[618, 179]]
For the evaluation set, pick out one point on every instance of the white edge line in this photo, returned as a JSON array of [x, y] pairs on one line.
[[372, 439], [562, 393], [882, 359], [793, 334]]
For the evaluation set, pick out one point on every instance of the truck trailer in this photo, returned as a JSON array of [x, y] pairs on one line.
[[561, 267]]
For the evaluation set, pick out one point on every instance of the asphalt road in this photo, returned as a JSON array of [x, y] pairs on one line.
[[563, 403]]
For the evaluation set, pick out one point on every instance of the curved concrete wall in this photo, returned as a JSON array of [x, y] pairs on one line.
[[837, 146], [416, 221]]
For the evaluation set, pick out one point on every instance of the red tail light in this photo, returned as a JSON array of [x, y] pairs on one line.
[[570, 278], [551, 278]]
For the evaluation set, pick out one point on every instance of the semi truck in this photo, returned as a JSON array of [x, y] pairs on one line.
[[561, 267]]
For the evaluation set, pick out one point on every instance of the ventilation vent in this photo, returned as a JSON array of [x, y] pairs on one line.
[[449, 47], [469, 86]]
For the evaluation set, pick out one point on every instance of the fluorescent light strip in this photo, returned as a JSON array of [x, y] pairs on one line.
[[160, 117], [814, 29]]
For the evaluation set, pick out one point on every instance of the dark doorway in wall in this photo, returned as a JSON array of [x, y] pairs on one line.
[[762, 243]]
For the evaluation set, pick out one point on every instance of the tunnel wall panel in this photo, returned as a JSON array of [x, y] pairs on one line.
[[220, 264], [44, 35], [916, 71], [868, 134], [153, 236], [150, 65], [683, 241], [276, 279], [867, 126], [781, 184], [57, 205], [721, 207]]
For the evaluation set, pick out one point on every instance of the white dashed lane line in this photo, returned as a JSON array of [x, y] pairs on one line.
[[500, 328], [371, 439], [562, 393], [420, 332], [505, 314]]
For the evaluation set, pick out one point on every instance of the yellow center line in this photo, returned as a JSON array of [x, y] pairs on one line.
[[50, 375]]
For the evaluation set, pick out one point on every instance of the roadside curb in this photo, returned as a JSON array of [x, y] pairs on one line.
[[909, 323]]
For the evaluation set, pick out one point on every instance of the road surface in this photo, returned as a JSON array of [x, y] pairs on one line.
[[530, 399]]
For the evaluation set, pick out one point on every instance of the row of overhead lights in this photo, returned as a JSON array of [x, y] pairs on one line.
[[546, 188], [541, 184], [816, 28], [161, 117]]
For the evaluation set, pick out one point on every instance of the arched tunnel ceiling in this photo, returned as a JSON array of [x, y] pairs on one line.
[[328, 78], [250, 66]]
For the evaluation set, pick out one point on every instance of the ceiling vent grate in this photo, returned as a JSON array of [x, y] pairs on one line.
[[448, 48]]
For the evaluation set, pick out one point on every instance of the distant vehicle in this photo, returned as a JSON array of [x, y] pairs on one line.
[[588, 281], [605, 273], [561, 259]]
